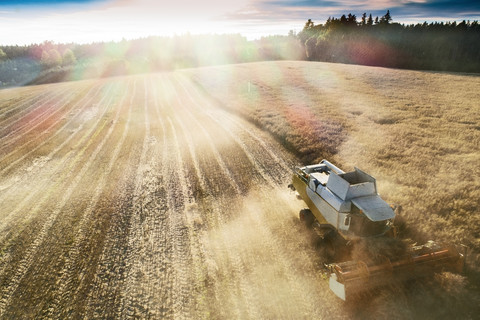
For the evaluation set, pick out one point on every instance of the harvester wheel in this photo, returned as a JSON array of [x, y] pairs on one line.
[[306, 216], [330, 246]]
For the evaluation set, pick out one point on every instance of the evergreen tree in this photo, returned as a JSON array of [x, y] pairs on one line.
[[352, 20], [307, 32], [370, 20], [386, 18], [448, 46], [308, 25], [364, 19]]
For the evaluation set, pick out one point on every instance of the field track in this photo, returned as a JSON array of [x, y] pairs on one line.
[[137, 197]]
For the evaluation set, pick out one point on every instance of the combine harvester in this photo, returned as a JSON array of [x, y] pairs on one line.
[[344, 208]]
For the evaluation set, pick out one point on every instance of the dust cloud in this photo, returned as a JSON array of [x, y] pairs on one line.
[[263, 263]]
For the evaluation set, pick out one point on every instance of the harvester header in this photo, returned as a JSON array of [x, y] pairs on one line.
[[351, 278]]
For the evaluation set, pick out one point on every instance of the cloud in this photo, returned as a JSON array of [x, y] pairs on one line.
[[401, 10], [46, 3], [114, 20], [204, 7], [288, 10], [432, 7], [96, 20]]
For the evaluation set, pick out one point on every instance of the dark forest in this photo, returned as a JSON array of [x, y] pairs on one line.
[[436, 46]]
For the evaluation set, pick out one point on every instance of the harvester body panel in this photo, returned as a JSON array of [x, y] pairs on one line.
[[347, 201], [374, 208]]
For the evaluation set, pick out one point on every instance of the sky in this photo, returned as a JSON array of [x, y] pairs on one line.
[[86, 21]]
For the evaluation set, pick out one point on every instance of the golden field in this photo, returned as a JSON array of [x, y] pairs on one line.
[[417, 132], [164, 196]]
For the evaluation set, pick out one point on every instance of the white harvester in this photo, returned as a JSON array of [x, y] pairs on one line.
[[344, 208]]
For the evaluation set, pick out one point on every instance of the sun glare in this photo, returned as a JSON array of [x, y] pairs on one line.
[[122, 20]]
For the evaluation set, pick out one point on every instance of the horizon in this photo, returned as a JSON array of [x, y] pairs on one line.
[[88, 21]]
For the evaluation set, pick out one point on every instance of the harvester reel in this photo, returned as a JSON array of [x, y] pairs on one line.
[[363, 269]]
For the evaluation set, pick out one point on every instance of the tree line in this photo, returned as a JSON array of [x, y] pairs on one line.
[[378, 41], [370, 41], [52, 62]]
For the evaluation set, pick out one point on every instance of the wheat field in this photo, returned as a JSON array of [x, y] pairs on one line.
[[164, 196], [417, 132]]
